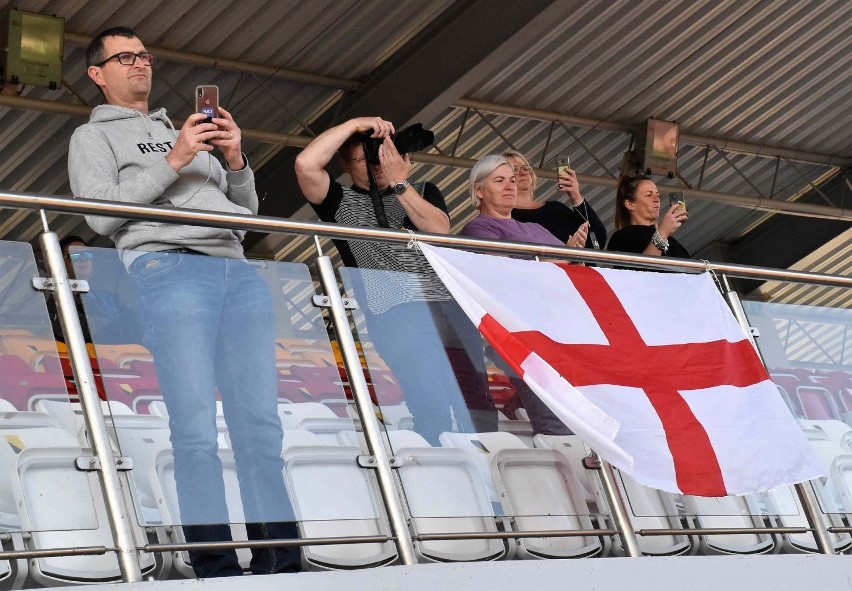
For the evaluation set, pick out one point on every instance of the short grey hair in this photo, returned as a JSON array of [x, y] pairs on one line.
[[481, 171]]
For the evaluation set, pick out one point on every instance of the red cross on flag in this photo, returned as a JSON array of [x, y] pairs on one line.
[[651, 370]]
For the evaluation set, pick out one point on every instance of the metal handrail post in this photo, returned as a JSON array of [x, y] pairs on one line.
[[370, 424], [619, 511], [803, 490], [812, 512], [119, 518]]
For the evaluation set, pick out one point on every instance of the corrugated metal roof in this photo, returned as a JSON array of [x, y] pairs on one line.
[[763, 72]]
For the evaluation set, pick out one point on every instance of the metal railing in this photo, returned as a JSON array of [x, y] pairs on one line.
[[402, 536], [278, 225]]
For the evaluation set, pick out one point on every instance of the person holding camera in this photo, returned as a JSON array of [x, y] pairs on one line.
[[431, 347], [637, 208], [206, 314]]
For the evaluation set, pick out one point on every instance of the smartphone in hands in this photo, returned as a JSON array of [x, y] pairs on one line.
[[207, 101], [676, 198], [563, 163]]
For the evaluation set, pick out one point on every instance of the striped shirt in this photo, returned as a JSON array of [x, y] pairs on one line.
[[399, 274]]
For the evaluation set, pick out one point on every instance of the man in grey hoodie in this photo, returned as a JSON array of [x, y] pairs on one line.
[[208, 320]]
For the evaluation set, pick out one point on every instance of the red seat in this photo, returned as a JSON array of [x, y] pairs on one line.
[[22, 385], [835, 382], [386, 388], [317, 383], [129, 385], [817, 403]]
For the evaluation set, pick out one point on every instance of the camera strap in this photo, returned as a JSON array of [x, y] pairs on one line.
[[378, 206]]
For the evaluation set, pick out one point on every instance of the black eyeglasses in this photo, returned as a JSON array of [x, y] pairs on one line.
[[128, 58]]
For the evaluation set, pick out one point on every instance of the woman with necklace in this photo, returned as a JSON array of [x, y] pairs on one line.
[[561, 219]]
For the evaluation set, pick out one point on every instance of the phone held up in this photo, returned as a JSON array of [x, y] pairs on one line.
[[207, 101], [563, 163], [676, 198]]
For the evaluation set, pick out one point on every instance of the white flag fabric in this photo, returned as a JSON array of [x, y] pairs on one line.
[[651, 370]]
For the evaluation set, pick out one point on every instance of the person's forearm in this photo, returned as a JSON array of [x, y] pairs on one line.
[[322, 148], [425, 216]]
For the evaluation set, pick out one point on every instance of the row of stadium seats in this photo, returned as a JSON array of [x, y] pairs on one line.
[[473, 483], [816, 395]]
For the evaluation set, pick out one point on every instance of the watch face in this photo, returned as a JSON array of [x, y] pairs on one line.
[[399, 188]]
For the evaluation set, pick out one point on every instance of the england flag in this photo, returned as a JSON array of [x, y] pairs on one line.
[[651, 370]]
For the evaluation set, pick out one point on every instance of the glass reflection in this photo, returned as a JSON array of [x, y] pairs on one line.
[[40, 428], [432, 350], [808, 352]]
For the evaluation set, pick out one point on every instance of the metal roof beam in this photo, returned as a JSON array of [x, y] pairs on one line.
[[685, 136], [468, 41], [197, 59], [747, 201]]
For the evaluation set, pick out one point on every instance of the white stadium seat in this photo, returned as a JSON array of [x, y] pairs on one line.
[[334, 497], [444, 493]]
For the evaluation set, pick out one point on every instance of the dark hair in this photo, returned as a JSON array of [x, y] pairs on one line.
[[95, 50], [69, 240], [625, 190], [356, 139]]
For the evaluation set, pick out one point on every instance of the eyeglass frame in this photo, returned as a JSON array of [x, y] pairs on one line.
[[524, 167], [135, 55]]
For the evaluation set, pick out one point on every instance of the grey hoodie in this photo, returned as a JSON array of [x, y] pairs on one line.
[[120, 155]]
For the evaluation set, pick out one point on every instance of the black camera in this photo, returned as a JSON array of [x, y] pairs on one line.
[[410, 139]]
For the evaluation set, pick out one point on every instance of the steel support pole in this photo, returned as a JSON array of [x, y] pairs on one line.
[[803, 489], [619, 510], [370, 424], [814, 515], [119, 517]]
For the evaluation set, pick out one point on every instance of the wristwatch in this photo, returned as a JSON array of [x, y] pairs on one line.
[[400, 187]]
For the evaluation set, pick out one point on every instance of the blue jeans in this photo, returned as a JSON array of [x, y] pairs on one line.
[[436, 354], [210, 325]]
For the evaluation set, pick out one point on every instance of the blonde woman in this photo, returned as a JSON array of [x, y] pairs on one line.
[[493, 191], [561, 219]]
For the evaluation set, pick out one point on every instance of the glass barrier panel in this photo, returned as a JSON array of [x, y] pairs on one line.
[[42, 492], [220, 373], [464, 464], [808, 352]]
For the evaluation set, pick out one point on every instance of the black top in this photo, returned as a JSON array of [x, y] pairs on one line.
[[637, 238], [562, 220]]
